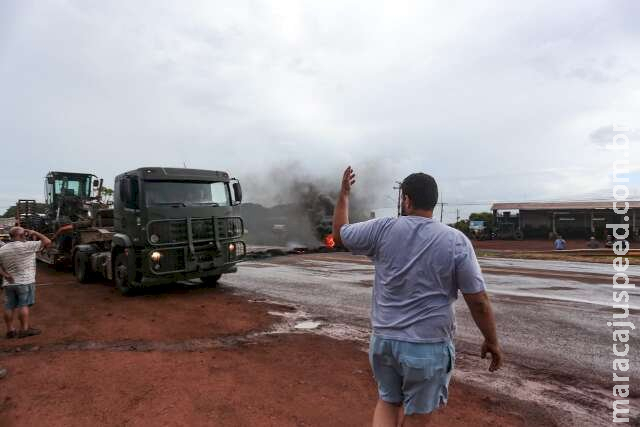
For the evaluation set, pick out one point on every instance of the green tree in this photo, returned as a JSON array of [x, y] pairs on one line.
[[107, 193], [462, 225], [487, 217], [11, 212]]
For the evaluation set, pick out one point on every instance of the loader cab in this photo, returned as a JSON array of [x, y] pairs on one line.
[[67, 184]]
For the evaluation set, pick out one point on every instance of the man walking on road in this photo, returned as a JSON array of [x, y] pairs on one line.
[[18, 268], [420, 265]]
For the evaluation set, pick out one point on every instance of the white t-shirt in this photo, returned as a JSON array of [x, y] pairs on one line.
[[19, 260]]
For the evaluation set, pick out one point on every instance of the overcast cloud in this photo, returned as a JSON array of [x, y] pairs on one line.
[[499, 101]]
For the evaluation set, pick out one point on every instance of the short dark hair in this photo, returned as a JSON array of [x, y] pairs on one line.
[[422, 189]]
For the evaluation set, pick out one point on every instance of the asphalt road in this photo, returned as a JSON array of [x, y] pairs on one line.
[[552, 327]]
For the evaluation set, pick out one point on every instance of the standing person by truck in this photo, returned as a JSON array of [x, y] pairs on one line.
[[18, 269]]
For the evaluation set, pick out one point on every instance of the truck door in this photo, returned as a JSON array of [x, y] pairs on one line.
[[127, 206]]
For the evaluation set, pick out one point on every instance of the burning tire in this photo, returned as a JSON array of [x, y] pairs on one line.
[[329, 242]]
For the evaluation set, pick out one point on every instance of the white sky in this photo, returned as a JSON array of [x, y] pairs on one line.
[[498, 100]]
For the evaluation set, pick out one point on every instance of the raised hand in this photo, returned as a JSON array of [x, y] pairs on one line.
[[348, 179]]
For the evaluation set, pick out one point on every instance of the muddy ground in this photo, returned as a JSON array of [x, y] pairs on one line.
[[577, 251], [188, 355], [527, 245]]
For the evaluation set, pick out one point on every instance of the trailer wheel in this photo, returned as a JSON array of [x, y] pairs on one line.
[[80, 268], [211, 281], [121, 275]]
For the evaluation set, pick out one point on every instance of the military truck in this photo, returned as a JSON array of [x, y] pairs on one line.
[[166, 225]]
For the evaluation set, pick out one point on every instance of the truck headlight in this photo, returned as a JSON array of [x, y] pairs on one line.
[[154, 238], [232, 247], [155, 256]]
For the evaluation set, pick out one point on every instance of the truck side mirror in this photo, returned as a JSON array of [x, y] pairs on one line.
[[237, 193], [96, 183]]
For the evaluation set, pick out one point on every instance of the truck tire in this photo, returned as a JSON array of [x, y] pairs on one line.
[[211, 281], [121, 274], [81, 268]]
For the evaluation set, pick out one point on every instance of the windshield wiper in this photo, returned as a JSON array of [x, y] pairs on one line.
[[175, 204], [207, 203]]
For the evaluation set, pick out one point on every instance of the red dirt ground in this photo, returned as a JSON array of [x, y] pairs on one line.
[[525, 245], [186, 357]]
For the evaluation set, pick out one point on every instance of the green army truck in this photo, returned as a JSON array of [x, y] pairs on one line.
[[166, 225]]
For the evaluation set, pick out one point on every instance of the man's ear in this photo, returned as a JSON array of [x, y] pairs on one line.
[[407, 202]]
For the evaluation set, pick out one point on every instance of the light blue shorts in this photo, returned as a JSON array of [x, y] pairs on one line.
[[411, 374], [16, 296]]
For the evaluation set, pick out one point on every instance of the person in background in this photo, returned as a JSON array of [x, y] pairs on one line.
[[18, 269], [421, 266], [560, 244], [593, 243]]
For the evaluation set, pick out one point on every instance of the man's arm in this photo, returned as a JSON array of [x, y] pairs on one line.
[[45, 242], [482, 314], [341, 212], [8, 277]]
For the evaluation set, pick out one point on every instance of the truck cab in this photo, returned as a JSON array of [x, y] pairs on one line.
[[169, 224], [70, 199]]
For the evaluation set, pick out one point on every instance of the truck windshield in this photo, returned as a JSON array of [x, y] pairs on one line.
[[182, 193]]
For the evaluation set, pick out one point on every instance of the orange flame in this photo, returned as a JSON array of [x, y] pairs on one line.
[[329, 242]]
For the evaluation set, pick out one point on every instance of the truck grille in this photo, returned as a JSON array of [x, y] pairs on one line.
[[230, 228], [202, 229], [168, 232], [175, 231]]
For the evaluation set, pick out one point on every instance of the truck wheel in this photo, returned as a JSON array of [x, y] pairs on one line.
[[211, 281], [121, 275], [80, 268]]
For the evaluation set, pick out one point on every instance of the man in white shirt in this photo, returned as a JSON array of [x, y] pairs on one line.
[[3, 371], [18, 268]]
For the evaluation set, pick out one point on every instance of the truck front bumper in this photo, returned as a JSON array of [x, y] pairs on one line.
[[172, 264], [155, 280]]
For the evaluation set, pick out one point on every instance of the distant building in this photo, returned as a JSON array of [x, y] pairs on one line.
[[569, 219]]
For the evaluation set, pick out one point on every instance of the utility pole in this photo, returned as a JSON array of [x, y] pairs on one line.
[[441, 210], [399, 188], [457, 214]]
